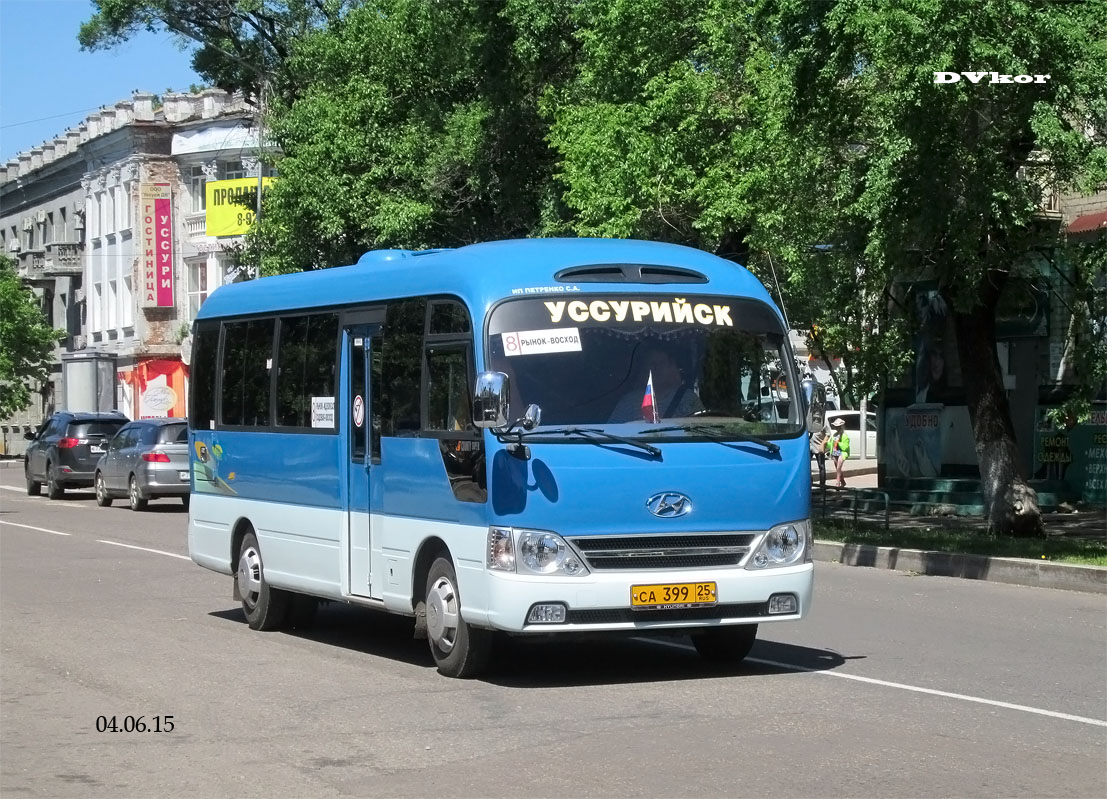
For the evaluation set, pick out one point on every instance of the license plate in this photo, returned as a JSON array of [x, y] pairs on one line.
[[672, 595], [94, 448], [183, 475]]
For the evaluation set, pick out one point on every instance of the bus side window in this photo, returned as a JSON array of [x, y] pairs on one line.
[[305, 367], [401, 367], [205, 349], [448, 396], [247, 364], [450, 415]]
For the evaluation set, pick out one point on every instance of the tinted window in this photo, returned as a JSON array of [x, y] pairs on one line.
[[449, 317], [247, 361], [173, 434], [86, 429], [305, 368], [205, 349], [448, 389], [401, 366]]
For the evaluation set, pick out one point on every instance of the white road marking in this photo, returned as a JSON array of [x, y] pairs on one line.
[[40, 529], [144, 549], [13, 488], [915, 688]]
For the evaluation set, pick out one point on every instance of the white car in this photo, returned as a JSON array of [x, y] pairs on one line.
[[853, 430]]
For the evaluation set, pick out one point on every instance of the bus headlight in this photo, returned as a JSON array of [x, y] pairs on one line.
[[547, 553], [531, 552], [783, 545]]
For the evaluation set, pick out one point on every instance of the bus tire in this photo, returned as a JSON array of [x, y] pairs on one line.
[[265, 608], [725, 644], [459, 649]]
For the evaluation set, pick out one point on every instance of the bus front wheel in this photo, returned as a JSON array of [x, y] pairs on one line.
[[459, 649], [266, 608], [725, 644]]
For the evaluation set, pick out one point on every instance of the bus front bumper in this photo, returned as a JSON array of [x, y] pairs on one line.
[[601, 601]]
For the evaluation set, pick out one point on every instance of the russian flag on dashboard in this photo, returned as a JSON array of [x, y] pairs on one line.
[[649, 410]]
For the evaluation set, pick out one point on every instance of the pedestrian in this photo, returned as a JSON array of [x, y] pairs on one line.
[[838, 447], [818, 451]]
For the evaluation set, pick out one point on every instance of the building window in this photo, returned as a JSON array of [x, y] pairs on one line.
[[125, 207], [97, 307], [113, 305], [128, 304], [48, 229], [233, 170], [93, 216], [61, 233], [197, 286], [110, 210], [198, 182]]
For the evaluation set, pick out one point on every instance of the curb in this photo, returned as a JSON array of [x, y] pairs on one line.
[[11, 463], [1014, 571]]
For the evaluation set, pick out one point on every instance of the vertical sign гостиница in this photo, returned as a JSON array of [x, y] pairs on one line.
[[156, 215]]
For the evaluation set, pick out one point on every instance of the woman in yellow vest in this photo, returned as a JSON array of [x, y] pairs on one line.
[[838, 448]]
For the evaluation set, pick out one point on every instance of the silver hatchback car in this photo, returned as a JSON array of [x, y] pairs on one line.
[[146, 459]]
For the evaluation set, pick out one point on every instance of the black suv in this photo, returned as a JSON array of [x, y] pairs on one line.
[[64, 451]]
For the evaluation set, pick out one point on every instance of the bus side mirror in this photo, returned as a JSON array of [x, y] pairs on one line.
[[490, 403], [814, 401]]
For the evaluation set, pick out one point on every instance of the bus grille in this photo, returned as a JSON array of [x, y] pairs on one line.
[[685, 551]]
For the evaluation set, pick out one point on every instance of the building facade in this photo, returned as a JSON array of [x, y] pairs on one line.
[[108, 225]]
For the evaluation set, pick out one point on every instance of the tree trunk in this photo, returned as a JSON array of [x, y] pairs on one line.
[[1010, 504]]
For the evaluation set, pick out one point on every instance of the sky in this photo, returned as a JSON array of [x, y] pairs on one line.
[[47, 84]]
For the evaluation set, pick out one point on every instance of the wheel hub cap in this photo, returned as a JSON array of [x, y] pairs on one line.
[[442, 614]]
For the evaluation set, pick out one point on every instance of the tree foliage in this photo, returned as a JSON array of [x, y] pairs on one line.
[[26, 341], [418, 127], [920, 179], [804, 138], [239, 44]]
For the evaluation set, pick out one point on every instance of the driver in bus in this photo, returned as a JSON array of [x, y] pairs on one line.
[[660, 391]]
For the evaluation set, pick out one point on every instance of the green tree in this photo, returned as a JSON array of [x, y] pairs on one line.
[[240, 45], [918, 179], [418, 127], [26, 341]]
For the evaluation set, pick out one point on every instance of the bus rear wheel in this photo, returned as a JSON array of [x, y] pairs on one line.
[[265, 608], [459, 649], [725, 644]]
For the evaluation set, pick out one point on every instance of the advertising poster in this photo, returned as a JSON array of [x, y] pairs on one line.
[[1077, 456], [156, 207], [159, 389], [914, 447], [231, 205]]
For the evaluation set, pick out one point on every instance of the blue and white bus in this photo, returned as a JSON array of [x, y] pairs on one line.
[[524, 437]]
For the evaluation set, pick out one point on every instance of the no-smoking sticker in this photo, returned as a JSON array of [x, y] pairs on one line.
[[359, 411]]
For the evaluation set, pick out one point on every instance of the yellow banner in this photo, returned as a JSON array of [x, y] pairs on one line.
[[231, 205]]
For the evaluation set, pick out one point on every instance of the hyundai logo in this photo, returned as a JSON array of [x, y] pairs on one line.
[[669, 505]]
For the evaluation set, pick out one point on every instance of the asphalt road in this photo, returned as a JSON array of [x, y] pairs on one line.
[[896, 685]]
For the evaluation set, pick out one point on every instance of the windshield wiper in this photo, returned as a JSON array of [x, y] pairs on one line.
[[592, 431], [717, 431]]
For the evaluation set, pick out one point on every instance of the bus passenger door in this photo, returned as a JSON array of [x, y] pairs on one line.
[[360, 342]]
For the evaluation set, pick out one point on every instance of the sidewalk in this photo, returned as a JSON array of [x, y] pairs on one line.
[[1085, 524]]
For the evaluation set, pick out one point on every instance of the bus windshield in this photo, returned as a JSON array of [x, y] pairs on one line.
[[648, 364]]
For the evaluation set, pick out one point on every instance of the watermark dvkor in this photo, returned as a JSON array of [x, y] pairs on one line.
[[992, 77]]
